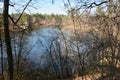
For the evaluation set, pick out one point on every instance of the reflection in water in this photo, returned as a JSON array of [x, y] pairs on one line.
[[40, 40], [36, 42]]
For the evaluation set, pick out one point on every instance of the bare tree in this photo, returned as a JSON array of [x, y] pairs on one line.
[[7, 36], [7, 39], [1, 48]]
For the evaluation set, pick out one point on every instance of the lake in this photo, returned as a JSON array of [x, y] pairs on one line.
[[41, 38], [49, 46], [38, 41]]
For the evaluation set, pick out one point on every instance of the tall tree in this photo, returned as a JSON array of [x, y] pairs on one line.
[[1, 47], [7, 39]]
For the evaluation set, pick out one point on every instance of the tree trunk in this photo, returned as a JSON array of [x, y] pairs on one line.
[[7, 39], [1, 47]]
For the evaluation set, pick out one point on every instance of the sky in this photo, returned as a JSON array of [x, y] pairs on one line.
[[42, 6], [37, 6]]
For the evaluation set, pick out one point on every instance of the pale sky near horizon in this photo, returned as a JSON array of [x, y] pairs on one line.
[[37, 6]]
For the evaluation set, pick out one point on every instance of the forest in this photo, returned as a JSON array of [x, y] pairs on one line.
[[83, 44]]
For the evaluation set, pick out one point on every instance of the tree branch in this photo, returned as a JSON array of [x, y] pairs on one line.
[[15, 22], [95, 4], [91, 5], [22, 12]]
